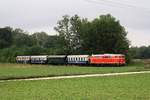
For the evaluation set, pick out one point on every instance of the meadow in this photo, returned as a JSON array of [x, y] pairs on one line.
[[13, 71], [126, 87]]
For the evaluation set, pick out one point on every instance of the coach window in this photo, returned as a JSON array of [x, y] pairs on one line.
[[85, 59], [72, 59], [69, 59]]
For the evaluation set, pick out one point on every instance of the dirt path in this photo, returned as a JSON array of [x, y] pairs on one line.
[[77, 76]]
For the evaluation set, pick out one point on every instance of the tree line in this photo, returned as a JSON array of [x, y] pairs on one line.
[[14, 42], [142, 52], [76, 35]]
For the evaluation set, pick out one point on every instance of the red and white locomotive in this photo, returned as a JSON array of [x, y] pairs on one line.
[[107, 59]]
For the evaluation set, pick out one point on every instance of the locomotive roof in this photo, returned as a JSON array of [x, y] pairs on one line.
[[77, 55], [114, 54], [108, 55]]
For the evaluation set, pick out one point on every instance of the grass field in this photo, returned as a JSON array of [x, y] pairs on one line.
[[11, 71], [127, 87]]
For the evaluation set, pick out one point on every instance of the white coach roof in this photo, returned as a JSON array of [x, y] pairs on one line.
[[39, 56], [22, 56], [56, 56], [78, 56]]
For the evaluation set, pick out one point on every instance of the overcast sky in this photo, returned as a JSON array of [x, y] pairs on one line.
[[42, 15]]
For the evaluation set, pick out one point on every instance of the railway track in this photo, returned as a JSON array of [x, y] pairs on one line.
[[76, 76]]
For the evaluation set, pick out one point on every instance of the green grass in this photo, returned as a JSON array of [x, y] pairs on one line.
[[11, 71], [127, 87]]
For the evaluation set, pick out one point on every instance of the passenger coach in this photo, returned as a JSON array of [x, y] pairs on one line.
[[57, 59], [23, 59], [77, 59], [38, 59]]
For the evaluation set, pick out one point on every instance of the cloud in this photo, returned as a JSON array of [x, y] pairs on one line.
[[139, 37]]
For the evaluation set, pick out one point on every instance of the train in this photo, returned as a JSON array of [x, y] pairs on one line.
[[94, 59]]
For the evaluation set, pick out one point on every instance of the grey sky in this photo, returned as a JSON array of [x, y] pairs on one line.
[[42, 15]]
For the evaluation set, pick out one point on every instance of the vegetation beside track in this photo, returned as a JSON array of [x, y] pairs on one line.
[[15, 71]]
